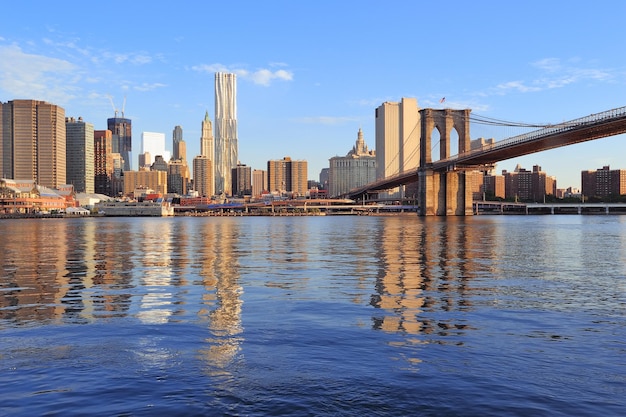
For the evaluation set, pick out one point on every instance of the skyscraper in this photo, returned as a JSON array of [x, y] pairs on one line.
[[226, 142], [178, 144], [259, 182], [32, 142], [242, 180], [397, 139], [121, 128], [177, 177], [154, 144], [206, 140], [103, 162], [80, 155], [203, 176]]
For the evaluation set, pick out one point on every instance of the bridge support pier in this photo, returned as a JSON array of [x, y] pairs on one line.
[[444, 193]]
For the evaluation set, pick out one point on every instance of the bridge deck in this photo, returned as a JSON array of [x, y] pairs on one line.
[[595, 126]]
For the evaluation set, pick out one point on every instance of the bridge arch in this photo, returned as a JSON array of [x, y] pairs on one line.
[[445, 121]]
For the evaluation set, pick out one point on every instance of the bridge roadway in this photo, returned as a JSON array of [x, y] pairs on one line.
[[325, 206], [594, 126], [497, 207]]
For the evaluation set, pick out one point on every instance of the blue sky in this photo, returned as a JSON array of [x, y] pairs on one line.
[[311, 73]]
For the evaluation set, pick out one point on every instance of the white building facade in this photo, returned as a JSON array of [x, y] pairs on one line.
[[226, 141], [153, 143], [354, 170]]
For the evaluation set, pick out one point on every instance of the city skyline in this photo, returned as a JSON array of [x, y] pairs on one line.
[[304, 89]]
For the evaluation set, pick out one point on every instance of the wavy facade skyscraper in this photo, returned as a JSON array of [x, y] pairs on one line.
[[226, 142]]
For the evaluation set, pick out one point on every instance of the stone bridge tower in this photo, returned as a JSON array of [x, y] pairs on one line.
[[446, 192]]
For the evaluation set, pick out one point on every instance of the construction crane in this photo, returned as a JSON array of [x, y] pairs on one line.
[[115, 110]]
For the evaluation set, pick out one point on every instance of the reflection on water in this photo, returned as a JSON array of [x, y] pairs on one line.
[[293, 311], [218, 260], [425, 267]]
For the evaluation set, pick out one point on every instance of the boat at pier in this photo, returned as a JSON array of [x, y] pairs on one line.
[[156, 208]]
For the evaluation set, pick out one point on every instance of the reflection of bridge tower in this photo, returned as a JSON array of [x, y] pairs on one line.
[[443, 193]]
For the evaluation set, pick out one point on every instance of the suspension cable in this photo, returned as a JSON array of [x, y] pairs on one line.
[[478, 119]]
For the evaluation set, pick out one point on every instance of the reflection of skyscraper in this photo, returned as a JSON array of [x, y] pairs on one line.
[[219, 271], [121, 129], [226, 143]]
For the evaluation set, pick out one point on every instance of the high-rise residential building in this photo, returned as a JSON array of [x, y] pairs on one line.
[[354, 170], [203, 182], [150, 180], [525, 185], [242, 180], [121, 129], [259, 182], [605, 182], [493, 187], [153, 143], [287, 176], [397, 140], [177, 177], [117, 183], [79, 151], [103, 162], [226, 141], [32, 142], [178, 144]]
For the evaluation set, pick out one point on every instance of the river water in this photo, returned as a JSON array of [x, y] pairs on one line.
[[314, 316]]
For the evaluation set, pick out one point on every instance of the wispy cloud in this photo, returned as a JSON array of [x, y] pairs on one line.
[[516, 85], [261, 76], [148, 87], [67, 47], [554, 73], [24, 75], [121, 58]]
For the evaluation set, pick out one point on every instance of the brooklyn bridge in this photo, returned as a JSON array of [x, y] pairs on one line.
[[443, 186]]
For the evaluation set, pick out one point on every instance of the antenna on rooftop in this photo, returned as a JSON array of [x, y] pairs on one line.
[[123, 106]]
